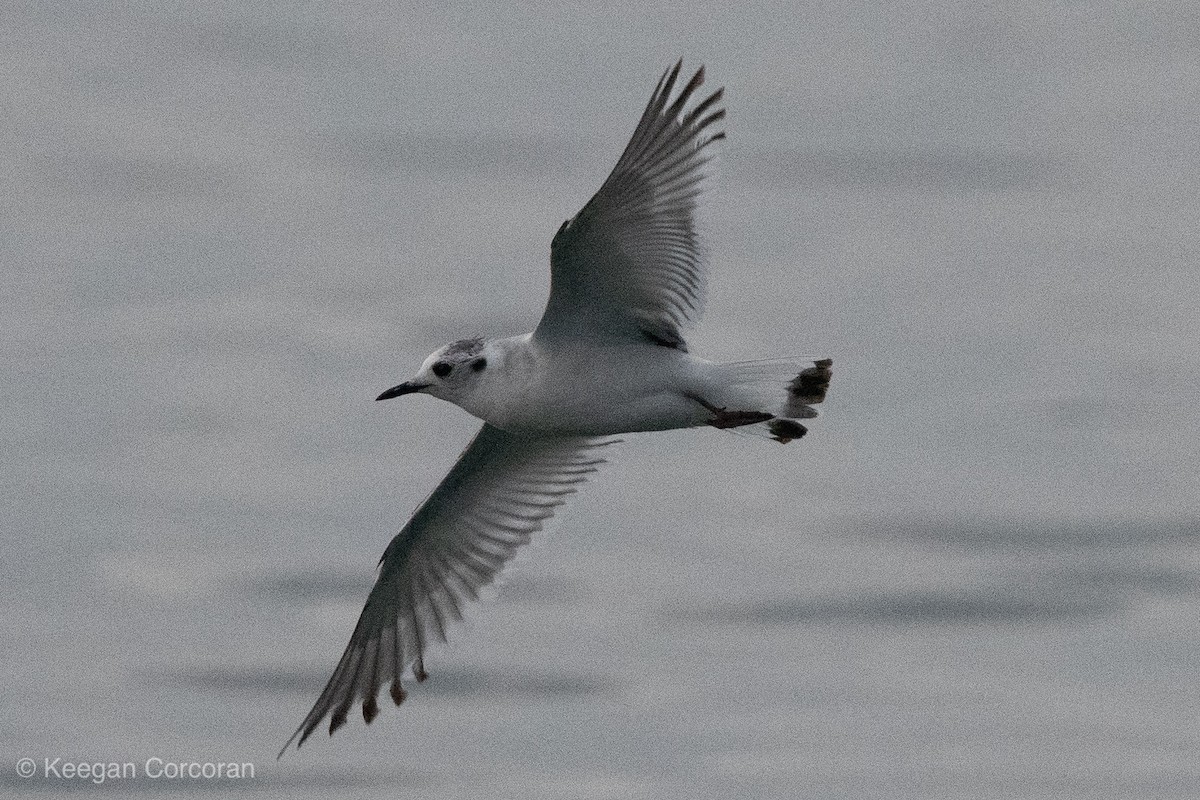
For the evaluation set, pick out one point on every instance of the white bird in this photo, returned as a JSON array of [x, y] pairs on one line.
[[627, 277]]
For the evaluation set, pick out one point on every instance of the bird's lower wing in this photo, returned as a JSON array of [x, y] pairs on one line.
[[502, 490]]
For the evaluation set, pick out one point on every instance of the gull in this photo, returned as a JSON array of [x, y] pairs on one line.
[[627, 278]]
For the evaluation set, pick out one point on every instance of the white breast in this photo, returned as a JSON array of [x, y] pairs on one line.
[[590, 390]]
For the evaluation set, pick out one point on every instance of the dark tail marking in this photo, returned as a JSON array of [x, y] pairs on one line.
[[786, 430], [811, 384]]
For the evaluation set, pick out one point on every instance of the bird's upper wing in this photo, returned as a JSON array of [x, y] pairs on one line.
[[501, 490], [630, 264]]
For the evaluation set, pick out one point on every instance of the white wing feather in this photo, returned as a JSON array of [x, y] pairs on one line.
[[630, 264], [501, 491]]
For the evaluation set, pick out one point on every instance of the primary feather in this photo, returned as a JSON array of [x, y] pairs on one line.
[[631, 263], [502, 490]]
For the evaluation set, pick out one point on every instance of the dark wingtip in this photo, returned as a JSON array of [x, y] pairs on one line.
[[302, 732], [337, 720], [398, 693], [668, 82], [370, 709]]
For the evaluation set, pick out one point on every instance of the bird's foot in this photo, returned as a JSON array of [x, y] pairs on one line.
[[723, 418]]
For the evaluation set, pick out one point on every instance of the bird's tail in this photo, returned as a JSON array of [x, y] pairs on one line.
[[786, 389]]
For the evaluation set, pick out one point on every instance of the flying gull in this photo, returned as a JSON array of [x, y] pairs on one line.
[[627, 278]]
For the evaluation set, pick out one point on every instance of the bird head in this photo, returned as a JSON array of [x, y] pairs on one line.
[[448, 373]]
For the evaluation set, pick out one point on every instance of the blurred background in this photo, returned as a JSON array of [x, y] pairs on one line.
[[227, 227]]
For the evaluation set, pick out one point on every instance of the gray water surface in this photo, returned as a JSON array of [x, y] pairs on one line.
[[225, 231]]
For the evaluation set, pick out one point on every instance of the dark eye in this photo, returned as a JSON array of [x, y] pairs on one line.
[[479, 364], [442, 369]]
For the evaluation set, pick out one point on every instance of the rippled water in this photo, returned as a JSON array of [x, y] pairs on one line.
[[225, 231]]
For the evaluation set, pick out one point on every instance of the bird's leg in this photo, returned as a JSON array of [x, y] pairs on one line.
[[736, 419], [723, 418]]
